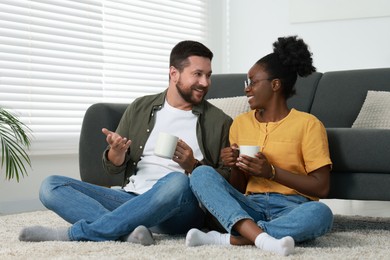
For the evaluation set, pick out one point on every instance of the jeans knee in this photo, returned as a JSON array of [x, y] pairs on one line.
[[326, 214], [204, 176], [201, 173], [177, 182], [47, 187], [174, 186], [323, 216]]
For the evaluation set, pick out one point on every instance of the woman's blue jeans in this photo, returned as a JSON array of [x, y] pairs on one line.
[[99, 213], [276, 214]]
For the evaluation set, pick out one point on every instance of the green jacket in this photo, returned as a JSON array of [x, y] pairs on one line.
[[212, 131]]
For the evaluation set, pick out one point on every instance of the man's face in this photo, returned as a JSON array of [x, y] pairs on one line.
[[194, 80]]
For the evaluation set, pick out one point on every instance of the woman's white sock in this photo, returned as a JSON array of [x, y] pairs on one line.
[[195, 237], [283, 246]]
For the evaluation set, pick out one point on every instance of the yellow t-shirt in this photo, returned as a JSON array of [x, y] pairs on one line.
[[298, 143]]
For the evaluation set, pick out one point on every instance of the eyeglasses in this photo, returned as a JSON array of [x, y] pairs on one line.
[[249, 84]]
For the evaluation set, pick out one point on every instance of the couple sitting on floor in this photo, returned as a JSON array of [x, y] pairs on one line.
[[269, 200]]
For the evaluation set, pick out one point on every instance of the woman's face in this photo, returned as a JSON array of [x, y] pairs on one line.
[[259, 87]]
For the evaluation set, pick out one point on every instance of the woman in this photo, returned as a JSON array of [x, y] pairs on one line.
[[284, 181]]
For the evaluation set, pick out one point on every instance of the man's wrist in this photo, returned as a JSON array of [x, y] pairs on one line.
[[115, 158], [196, 164]]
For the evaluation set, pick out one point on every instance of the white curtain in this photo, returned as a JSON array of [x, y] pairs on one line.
[[58, 57]]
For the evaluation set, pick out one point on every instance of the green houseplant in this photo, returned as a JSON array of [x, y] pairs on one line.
[[14, 141]]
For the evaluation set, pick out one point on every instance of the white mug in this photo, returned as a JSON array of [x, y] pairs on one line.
[[166, 145], [250, 150]]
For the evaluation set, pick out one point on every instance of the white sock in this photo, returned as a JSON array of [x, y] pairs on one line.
[[283, 246], [39, 233], [195, 237], [141, 235]]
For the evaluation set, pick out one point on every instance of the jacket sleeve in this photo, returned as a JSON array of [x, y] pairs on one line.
[[124, 124], [224, 171]]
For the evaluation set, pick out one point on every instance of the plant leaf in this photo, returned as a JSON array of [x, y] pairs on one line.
[[14, 139]]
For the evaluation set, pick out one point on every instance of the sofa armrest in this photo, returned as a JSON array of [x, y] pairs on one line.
[[93, 142], [359, 150]]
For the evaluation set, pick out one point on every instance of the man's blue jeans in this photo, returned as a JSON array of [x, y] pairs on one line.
[[278, 215], [99, 213]]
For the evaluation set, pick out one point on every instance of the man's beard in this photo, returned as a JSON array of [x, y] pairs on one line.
[[187, 94]]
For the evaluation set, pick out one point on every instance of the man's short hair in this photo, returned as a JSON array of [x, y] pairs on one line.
[[184, 49]]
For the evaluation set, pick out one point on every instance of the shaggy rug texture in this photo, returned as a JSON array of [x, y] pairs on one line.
[[353, 237]]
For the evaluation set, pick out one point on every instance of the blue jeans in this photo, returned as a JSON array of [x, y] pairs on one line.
[[276, 214], [99, 213]]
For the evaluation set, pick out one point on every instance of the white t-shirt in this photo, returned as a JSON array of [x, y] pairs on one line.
[[151, 168]]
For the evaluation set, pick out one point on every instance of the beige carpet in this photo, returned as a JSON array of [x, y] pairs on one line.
[[352, 238]]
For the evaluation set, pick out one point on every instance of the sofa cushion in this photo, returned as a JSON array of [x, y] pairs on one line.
[[375, 112], [305, 90], [226, 85], [340, 94], [359, 150], [232, 106], [93, 142]]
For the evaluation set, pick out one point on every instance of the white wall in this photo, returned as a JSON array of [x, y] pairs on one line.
[[23, 196], [253, 25]]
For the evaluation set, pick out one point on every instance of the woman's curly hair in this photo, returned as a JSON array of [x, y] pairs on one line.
[[291, 57]]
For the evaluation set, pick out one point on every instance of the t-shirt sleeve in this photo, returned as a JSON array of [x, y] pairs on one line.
[[315, 146]]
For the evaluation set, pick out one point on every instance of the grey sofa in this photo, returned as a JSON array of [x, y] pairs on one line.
[[361, 161]]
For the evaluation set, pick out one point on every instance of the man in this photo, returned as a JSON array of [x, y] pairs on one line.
[[156, 195]]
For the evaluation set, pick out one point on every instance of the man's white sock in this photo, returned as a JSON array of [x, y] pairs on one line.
[[283, 246], [195, 237]]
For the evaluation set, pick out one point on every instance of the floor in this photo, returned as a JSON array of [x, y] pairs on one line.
[[340, 207], [362, 208]]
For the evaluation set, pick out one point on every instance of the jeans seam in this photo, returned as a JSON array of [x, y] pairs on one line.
[[94, 192]]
